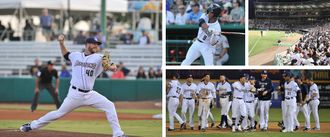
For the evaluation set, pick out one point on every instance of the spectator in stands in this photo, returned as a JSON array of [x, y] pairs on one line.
[[193, 17], [2, 31], [46, 22], [180, 18], [119, 74], [144, 23], [80, 38], [124, 69], [224, 15], [169, 17], [127, 38], [159, 72], [10, 33], [35, 68], [189, 8], [64, 72], [151, 73], [29, 33], [141, 73], [237, 13], [144, 39]]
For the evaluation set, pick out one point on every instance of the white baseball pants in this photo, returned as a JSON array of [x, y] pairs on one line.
[[172, 106], [203, 110], [198, 49], [290, 105], [264, 109], [304, 110], [190, 106], [313, 107]]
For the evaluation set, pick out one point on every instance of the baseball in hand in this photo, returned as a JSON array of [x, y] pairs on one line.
[[61, 39]]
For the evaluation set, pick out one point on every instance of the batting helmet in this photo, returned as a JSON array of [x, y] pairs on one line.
[[215, 9]]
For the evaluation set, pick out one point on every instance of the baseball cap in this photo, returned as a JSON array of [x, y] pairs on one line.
[[252, 78], [298, 77], [93, 40], [242, 75], [190, 76], [287, 74], [264, 72], [50, 62]]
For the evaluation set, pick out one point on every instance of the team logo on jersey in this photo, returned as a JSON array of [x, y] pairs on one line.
[[85, 64]]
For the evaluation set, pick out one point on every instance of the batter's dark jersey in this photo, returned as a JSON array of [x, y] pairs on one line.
[[268, 85]]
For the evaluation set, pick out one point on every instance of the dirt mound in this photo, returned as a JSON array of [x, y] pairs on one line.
[[47, 133], [267, 56]]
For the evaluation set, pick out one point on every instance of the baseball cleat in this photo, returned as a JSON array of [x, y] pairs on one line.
[[306, 129], [182, 126], [170, 129], [233, 129], [25, 128], [203, 129], [191, 128], [296, 128], [199, 127], [212, 125], [239, 128], [315, 128], [284, 131]]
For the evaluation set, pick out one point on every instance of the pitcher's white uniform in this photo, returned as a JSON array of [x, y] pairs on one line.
[[238, 105], [173, 102], [224, 88], [290, 89], [85, 70], [206, 93], [202, 46], [188, 102], [219, 47], [314, 104], [249, 103]]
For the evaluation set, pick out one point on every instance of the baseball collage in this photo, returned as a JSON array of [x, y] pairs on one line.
[[164, 68]]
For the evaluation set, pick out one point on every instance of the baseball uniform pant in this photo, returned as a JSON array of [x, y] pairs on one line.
[[172, 106], [238, 109], [283, 106], [229, 120], [313, 108], [302, 109], [51, 91], [76, 99], [222, 60], [290, 105], [188, 104], [250, 115], [198, 49], [203, 110], [264, 109]]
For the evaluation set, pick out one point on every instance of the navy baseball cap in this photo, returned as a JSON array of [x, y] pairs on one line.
[[93, 40], [264, 72], [50, 63], [190, 76], [242, 75], [252, 78], [287, 74]]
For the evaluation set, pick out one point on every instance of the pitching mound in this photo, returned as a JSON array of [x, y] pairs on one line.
[[47, 133]]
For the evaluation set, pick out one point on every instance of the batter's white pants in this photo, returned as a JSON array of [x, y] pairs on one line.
[[313, 107], [290, 105], [222, 60], [283, 106], [250, 113], [302, 109], [198, 49], [76, 99], [188, 105], [264, 109], [230, 122], [238, 109], [172, 106], [203, 110]]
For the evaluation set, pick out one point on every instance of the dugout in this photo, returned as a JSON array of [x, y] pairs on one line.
[[179, 39]]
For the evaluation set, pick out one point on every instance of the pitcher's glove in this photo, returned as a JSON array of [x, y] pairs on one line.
[[106, 61]]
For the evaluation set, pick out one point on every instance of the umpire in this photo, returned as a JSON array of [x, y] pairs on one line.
[[44, 81]]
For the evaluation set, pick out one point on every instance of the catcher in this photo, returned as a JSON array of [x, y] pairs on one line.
[[86, 67]]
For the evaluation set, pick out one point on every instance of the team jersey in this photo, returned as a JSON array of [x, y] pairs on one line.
[[222, 45], [239, 89], [304, 92], [314, 89], [291, 88], [264, 85], [188, 90], [85, 69], [206, 90], [248, 96], [175, 89], [214, 27], [223, 88]]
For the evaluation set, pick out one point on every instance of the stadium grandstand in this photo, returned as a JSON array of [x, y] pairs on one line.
[[305, 24]]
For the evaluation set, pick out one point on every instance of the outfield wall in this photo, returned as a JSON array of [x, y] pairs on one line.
[[22, 90]]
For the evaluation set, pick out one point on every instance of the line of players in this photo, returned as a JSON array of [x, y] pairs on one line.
[[246, 97]]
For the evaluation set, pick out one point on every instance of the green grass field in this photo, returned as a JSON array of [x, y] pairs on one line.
[[143, 128], [258, 44]]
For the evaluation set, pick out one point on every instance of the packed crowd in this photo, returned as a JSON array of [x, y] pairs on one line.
[[181, 12], [282, 24], [312, 49]]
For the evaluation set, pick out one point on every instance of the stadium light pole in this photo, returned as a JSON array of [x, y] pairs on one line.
[[103, 18]]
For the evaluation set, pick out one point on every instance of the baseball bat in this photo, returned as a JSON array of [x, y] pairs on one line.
[[231, 33]]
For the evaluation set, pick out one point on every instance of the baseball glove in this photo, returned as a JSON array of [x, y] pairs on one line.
[[106, 60]]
